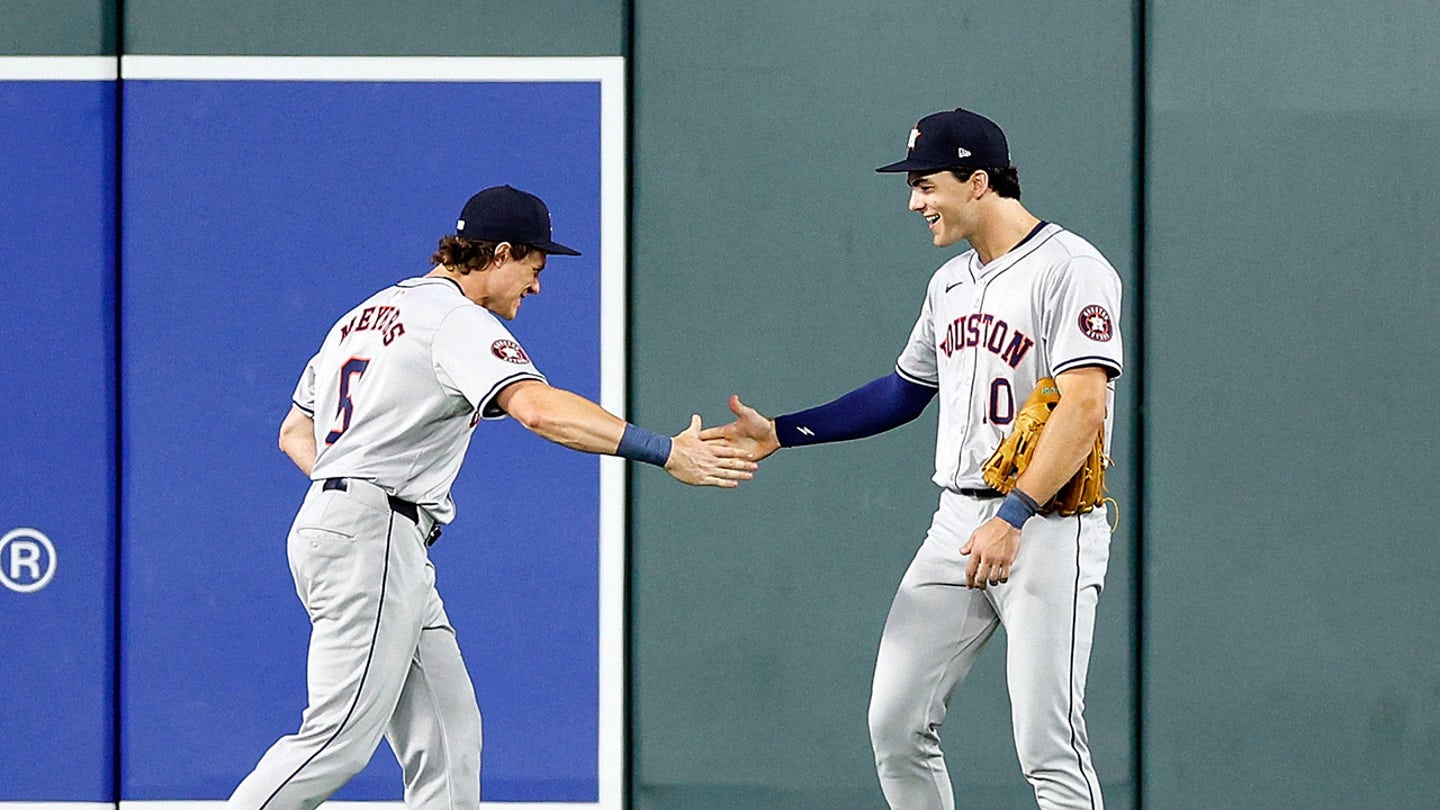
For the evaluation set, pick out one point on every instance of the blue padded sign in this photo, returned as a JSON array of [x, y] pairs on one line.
[[57, 476], [256, 212]]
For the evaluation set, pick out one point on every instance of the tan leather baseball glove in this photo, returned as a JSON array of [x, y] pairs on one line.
[[1083, 492]]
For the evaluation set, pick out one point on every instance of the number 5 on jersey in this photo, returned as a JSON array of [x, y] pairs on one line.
[[354, 367]]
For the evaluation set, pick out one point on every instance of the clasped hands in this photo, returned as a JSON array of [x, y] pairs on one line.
[[722, 456], [991, 548]]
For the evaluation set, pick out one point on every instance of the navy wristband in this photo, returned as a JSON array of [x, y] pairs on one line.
[[640, 444], [1017, 508]]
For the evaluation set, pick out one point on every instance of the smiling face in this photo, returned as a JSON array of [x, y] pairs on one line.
[[507, 280], [947, 203]]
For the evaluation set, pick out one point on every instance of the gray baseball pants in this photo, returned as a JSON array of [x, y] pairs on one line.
[[937, 627], [382, 661]]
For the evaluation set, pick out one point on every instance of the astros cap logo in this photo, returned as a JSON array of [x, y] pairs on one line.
[[952, 139]]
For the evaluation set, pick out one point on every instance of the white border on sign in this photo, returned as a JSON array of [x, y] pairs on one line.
[[603, 69], [609, 72], [59, 68]]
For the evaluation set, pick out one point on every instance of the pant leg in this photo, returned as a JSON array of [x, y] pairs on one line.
[[933, 634], [435, 731], [360, 572], [1048, 609]]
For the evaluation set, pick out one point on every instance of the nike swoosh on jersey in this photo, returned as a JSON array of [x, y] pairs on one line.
[[948, 287]]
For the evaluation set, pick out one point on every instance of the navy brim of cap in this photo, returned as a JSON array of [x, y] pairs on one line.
[[554, 249], [914, 165]]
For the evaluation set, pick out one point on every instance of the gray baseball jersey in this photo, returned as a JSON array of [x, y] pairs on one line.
[[987, 334], [400, 412]]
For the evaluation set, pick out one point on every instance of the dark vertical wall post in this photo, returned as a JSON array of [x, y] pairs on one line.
[[1139, 424]]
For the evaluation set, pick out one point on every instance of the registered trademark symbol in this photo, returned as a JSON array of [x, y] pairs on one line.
[[27, 560]]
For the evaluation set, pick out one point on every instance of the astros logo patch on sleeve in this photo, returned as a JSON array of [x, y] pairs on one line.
[[509, 351], [1095, 323]]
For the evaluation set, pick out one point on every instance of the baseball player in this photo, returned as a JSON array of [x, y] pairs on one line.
[[1028, 300], [382, 417]]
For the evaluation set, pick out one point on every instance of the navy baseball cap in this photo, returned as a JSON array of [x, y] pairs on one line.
[[951, 140], [507, 214]]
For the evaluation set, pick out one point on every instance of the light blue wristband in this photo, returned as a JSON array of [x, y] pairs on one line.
[[639, 444], [1017, 508]]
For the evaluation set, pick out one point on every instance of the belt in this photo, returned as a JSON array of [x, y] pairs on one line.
[[982, 493], [400, 507]]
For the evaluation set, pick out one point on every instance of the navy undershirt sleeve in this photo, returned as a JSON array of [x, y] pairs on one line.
[[873, 408]]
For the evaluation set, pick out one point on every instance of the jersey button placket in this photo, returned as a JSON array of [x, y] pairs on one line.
[[969, 360]]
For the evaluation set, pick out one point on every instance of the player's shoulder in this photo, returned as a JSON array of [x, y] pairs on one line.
[[433, 291], [1067, 251], [449, 310], [1066, 244], [434, 299], [414, 301]]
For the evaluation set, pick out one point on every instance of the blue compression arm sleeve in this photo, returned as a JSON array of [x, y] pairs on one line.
[[872, 408]]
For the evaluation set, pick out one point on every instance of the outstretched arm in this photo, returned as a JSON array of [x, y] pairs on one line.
[[575, 422], [875, 407]]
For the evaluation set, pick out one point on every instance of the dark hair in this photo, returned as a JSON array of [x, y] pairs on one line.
[[1005, 180], [464, 255]]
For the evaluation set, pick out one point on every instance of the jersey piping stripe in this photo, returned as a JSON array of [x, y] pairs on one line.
[[310, 412], [912, 378], [513, 378], [364, 673], [1089, 360], [1070, 710]]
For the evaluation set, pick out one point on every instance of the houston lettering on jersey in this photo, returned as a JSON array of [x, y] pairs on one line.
[[384, 318], [984, 329]]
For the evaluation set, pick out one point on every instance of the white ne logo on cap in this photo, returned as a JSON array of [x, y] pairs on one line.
[[963, 152], [460, 225], [914, 134]]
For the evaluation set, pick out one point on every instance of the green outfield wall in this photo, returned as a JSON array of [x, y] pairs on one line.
[[1264, 180]]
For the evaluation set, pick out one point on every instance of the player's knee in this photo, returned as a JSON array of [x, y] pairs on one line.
[[1041, 756], [344, 752], [350, 760], [881, 726], [895, 734]]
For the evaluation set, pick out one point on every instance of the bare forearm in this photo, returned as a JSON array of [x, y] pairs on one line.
[[570, 420], [575, 422], [297, 439], [302, 454], [1069, 434]]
